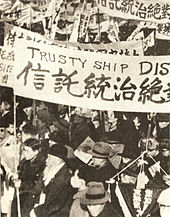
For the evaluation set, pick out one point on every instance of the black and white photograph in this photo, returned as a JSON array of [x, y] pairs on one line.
[[85, 108]]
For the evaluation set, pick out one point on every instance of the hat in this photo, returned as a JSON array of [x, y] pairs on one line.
[[153, 144], [101, 150], [59, 151], [95, 194], [164, 197]]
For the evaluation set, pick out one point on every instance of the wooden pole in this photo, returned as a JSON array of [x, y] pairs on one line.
[[16, 157]]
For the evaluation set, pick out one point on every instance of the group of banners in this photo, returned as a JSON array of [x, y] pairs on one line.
[[105, 79], [97, 16]]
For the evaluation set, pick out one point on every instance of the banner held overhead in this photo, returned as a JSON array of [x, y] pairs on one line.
[[97, 81], [154, 11]]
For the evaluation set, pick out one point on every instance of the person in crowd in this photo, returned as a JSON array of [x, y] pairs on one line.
[[165, 153], [25, 108], [29, 172], [164, 202], [131, 135], [9, 160], [96, 201], [3, 132], [112, 130], [6, 104], [60, 127], [82, 127], [78, 182], [100, 168], [162, 126], [29, 131], [43, 121], [55, 188]]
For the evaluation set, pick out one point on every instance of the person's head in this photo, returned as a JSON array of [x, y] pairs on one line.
[[95, 198], [29, 131], [57, 154], [26, 105], [151, 144], [100, 154], [165, 147], [31, 148], [164, 203], [6, 104], [3, 131], [163, 120]]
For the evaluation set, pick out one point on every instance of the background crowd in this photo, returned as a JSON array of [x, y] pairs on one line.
[[66, 161]]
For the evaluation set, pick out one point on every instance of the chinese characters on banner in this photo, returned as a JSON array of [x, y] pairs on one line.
[[98, 81], [154, 11], [7, 58]]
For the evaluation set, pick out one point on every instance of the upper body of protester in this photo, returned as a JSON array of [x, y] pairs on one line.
[[29, 174], [100, 168], [55, 189], [78, 182]]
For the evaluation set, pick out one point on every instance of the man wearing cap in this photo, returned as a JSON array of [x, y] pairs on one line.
[[96, 201], [100, 168], [164, 203]]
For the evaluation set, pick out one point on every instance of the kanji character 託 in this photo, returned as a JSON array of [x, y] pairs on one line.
[[62, 79]]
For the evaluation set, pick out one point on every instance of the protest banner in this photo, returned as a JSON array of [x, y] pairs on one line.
[[12, 33], [93, 80], [137, 9], [132, 48], [7, 58]]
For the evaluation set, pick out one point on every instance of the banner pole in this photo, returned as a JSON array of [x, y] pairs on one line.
[[16, 159]]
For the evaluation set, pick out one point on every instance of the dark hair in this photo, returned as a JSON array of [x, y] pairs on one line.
[[29, 128], [32, 143]]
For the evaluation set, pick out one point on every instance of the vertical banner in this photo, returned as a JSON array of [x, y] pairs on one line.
[[7, 58]]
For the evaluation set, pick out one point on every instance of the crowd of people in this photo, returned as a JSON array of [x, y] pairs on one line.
[[62, 161]]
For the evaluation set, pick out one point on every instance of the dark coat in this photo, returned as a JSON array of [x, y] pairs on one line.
[[100, 174], [58, 193], [30, 173]]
